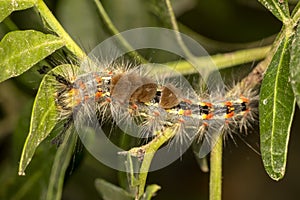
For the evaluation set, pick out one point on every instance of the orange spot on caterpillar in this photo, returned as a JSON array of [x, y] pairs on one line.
[[82, 85], [187, 101], [78, 101], [208, 104], [181, 120], [98, 95], [229, 115], [205, 124], [156, 113], [244, 99], [228, 103], [230, 109], [134, 106], [98, 78], [187, 113], [208, 116], [73, 92]]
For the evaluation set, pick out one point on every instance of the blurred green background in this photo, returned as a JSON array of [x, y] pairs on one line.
[[220, 26]]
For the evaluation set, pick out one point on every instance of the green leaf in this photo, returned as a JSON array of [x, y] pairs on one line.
[[279, 9], [59, 167], [33, 186], [276, 110], [20, 50], [8, 6], [43, 118], [295, 65], [296, 11], [109, 191], [150, 191]]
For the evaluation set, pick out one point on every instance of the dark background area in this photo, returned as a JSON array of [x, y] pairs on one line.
[[229, 25]]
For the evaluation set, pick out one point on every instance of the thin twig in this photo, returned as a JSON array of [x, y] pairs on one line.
[[215, 180], [114, 31]]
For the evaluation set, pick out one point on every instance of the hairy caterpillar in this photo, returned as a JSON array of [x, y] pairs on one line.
[[144, 104], [151, 100]]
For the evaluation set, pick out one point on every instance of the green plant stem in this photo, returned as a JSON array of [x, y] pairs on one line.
[[58, 29], [296, 12], [240, 57], [60, 165], [215, 182], [223, 61], [122, 176], [114, 31], [10, 24], [178, 34], [149, 151], [211, 45]]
